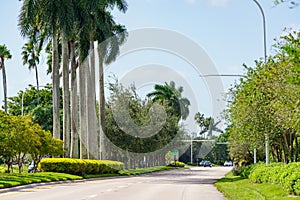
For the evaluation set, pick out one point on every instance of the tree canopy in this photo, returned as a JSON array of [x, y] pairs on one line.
[[266, 103]]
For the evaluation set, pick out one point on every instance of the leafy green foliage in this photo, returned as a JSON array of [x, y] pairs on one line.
[[21, 137], [266, 104], [173, 99], [37, 105], [238, 188], [137, 117], [286, 175], [80, 167]]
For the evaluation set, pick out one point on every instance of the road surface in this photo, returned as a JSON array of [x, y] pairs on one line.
[[184, 184]]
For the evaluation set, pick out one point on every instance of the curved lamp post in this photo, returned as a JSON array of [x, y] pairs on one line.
[[265, 59]]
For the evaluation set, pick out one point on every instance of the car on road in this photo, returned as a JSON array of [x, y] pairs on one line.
[[207, 164], [202, 162], [228, 163]]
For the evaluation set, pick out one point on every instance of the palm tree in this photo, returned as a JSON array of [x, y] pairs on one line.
[[207, 124], [31, 52], [171, 94], [32, 49], [70, 21], [4, 54], [98, 26], [56, 17]]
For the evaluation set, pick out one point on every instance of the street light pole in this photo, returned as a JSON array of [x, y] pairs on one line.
[[265, 59], [23, 103], [264, 29]]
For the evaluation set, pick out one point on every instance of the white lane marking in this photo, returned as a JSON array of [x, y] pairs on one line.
[[92, 196], [122, 186]]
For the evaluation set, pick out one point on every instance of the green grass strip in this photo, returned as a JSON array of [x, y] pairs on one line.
[[16, 179], [237, 188]]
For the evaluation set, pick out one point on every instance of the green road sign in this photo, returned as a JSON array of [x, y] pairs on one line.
[[175, 152]]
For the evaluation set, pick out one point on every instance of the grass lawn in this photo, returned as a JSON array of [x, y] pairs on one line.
[[237, 188]]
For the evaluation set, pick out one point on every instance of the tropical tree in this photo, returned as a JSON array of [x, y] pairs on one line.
[[173, 96], [4, 54], [21, 137], [136, 125], [95, 23], [32, 49], [26, 102], [293, 3], [75, 25], [207, 124]]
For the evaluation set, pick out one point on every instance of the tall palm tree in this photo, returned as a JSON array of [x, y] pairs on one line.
[[70, 21], [55, 15], [31, 53], [173, 96], [4, 54], [109, 43], [98, 26]]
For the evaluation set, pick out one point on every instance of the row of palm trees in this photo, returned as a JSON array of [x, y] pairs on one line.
[[69, 29]]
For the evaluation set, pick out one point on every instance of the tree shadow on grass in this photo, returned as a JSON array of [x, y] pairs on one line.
[[230, 179]]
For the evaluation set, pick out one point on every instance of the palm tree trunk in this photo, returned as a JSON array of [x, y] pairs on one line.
[[4, 84], [82, 110], [91, 106], [74, 149], [66, 96], [37, 83], [101, 102], [55, 85]]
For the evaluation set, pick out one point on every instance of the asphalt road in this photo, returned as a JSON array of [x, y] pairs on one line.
[[185, 184]]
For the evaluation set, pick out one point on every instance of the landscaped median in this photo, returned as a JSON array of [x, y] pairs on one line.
[[64, 169], [275, 181]]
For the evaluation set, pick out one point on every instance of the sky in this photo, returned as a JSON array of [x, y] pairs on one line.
[[222, 35]]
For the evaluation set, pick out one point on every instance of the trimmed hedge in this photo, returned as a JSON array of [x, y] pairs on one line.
[[178, 164], [80, 167], [286, 175]]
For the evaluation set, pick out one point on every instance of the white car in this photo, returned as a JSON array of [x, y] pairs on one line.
[[228, 163]]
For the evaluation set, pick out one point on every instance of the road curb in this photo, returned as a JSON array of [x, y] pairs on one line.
[[34, 185]]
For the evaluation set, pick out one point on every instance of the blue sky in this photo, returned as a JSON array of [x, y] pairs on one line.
[[230, 32]]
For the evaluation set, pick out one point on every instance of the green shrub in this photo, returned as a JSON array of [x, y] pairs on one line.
[[244, 171], [286, 175], [296, 187], [80, 167]]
